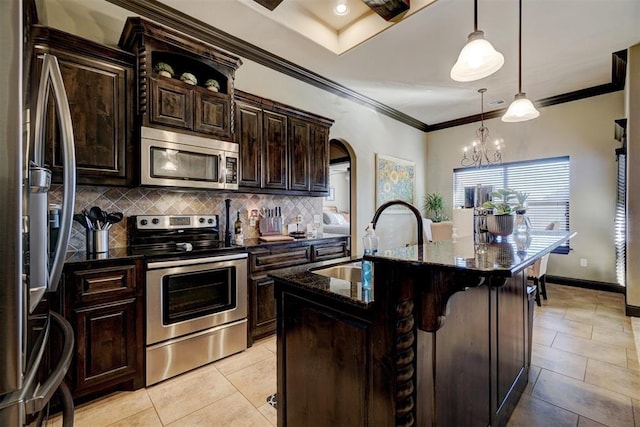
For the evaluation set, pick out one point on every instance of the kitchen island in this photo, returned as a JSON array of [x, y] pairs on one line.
[[443, 339]]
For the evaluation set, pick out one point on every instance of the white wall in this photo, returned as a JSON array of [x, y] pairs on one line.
[[341, 187], [583, 130], [367, 131]]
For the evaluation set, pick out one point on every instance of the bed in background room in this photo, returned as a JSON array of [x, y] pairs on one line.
[[334, 222]]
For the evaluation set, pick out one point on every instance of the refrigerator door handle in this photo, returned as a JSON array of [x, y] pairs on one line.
[[43, 396], [52, 69]]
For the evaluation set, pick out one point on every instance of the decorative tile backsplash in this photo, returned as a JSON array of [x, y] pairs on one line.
[[150, 201]]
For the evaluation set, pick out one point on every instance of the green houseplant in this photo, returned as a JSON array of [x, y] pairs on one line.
[[164, 69], [503, 202], [212, 85], [189, 78], [434, 207]]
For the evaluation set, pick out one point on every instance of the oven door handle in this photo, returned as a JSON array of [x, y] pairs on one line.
[[195, 261]]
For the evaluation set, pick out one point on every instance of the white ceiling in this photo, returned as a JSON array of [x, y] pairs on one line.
[[567, 46]]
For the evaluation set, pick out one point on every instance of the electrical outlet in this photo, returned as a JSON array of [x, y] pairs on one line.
[[316, 219], [583, 262], [252, 221]]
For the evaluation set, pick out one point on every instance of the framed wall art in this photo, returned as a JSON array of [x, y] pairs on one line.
[[395, 179]]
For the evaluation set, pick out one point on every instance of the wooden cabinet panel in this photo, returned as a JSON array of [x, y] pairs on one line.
[[103, 302], [331, 250], [299, 155], [279, 257], [319, 159], [275, 150], [263, 319], [249, 134], [98, 284], [171, 104], [105, 343], [98, 82], [211, 114], [318, 346]]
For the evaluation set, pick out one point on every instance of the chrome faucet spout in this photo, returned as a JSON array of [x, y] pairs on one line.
[[415, 211]]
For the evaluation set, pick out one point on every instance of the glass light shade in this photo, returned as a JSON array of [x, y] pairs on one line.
[[477, 59], [520, 110]]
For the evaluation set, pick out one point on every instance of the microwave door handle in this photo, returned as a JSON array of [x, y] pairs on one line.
[[222, 175], [69, 171]]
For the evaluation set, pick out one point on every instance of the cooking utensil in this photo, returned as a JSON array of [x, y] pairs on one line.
[[80, 218]]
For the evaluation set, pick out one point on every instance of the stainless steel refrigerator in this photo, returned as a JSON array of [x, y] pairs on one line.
[[30, 370]]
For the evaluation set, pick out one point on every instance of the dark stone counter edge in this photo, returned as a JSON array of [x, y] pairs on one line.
[[249, 244], [303, 278], [494, 271]]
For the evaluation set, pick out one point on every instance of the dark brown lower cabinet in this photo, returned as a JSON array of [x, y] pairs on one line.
[[267, 258], [103, 302]]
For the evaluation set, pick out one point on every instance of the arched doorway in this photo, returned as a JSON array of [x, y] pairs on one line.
[[341, 199]]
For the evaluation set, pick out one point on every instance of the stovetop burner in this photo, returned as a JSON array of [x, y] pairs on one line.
[[165, 236]]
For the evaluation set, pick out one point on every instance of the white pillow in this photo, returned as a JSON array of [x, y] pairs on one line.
[[339, 219]]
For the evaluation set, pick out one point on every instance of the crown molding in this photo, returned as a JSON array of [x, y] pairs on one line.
[[177, 20]]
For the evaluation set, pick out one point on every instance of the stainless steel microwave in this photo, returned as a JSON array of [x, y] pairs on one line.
[[171, 159]]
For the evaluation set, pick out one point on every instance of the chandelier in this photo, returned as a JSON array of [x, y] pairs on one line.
[[480, 153]]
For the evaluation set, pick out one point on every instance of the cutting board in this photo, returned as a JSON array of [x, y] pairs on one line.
[[276, 238]]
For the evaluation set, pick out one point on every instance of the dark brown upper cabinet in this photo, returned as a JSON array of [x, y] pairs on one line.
[[99, 84], [171, 102], [283, 150]]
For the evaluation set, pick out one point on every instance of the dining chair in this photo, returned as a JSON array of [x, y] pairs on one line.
[[537, 273]]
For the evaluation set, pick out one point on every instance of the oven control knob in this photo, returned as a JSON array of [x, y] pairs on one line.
[[143, 222], [210, 221], [201, 220], [155, 220]]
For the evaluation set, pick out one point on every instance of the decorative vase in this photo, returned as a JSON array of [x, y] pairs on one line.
[[212, 88], [500, 225], [164, 74]]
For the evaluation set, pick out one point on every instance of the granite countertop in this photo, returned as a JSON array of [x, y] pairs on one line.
[[123, 253], [500, 258]]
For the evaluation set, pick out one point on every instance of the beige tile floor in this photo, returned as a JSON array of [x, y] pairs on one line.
[[585, 373]]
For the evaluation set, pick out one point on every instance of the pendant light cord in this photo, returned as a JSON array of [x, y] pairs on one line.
[[475, 15], [520, 48]]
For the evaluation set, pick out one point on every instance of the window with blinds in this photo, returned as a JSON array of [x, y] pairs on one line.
[[546, 181]]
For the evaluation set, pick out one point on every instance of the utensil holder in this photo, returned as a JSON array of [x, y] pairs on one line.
[[97, 241]]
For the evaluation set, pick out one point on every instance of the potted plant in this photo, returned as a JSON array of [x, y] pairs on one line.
[[434, 207], [212, 85], [189, 78], [503, 203], [164, 69]]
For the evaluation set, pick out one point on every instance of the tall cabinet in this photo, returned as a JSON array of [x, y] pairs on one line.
[[103, 122], [284, 150]]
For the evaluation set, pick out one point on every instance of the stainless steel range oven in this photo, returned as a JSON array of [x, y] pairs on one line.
[[196, 293]]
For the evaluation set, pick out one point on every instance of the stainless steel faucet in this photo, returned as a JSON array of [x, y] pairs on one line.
[[415, 211]]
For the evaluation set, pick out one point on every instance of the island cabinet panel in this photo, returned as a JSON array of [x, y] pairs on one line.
[[463, 390], [325, 350], [510, 364], [102, 299], [249, 134], [98, 83]]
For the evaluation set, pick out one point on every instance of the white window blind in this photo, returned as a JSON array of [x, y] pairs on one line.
[[546, 181]]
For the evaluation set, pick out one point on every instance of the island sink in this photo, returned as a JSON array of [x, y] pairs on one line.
[[351, 272]]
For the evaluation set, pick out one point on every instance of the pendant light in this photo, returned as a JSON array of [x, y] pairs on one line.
[[521, 109], [478, 58]]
